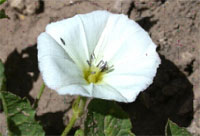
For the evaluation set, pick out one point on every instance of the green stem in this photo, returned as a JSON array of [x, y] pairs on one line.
[[39, 95], [5, 109], [78, 109], [70, 125]]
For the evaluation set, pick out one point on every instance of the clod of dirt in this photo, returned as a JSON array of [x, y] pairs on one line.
[[17, 4], [121, 6], [27, 7], [31, 7]]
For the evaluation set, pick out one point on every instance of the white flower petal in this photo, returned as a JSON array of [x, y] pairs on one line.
[[94, 24], [133, 76], [129, 86], [55, 65], [79, 35], [121, 38], [144, 65], [76, 89], [107, 92]]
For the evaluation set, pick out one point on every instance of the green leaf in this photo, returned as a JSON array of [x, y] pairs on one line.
[[172, 129], [106, 118], [2, 1], [3, 14], [79, 132], [20, 116], [2, 76]]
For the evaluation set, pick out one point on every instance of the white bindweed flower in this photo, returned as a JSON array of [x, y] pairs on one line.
[[99, 54]]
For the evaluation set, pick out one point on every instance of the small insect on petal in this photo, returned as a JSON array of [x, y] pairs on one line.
[[63, 42]]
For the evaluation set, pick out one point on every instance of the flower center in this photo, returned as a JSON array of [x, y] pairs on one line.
[[93, 75], [95, 72]]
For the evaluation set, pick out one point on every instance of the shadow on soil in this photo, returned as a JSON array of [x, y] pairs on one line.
[[21, 71], [170, 96], [52, 123], [147, 23]]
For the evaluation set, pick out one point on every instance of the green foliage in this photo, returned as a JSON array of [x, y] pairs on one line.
[[106, 118], [3, 14], [2, 76], [19, 113], [2, 1], [20, 116], [172, 129], [79, 132]]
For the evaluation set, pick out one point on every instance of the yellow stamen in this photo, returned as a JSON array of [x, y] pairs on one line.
[[93, 75]]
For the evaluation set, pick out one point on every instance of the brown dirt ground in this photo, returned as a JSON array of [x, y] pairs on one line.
[[174, 26]]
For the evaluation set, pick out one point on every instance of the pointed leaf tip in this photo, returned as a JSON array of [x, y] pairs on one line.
[[172, 129]]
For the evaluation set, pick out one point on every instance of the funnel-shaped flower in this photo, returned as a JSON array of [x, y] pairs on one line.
[[98, 54]]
